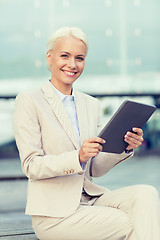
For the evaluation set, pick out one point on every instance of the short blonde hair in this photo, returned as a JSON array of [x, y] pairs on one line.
[[67, 31]]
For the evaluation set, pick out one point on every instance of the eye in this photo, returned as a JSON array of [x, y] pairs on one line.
[[64, 55], [80, 58]]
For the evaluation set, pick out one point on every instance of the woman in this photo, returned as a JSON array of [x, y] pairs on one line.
[[56, 131]]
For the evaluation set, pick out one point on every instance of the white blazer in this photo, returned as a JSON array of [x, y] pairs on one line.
[[48, 149]]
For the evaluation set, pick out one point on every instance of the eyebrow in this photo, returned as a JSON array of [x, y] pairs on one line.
[[70, 54]]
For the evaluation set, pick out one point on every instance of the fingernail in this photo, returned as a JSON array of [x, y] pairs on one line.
[[104, 141]]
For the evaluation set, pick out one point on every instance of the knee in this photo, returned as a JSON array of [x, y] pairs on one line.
[[149, 189], [147, 192]]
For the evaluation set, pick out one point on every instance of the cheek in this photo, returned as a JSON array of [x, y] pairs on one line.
[[56, 64], [81, 66], [59, 63]]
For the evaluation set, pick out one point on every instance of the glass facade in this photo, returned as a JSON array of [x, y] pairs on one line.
[[124, 49], [123, 35]]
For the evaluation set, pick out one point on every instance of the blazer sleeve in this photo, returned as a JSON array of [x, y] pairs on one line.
[[27, 131]]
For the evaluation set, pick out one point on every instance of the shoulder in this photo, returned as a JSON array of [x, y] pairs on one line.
[[28, 95], [27, 101]]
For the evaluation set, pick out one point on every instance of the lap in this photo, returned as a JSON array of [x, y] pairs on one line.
[[104, 217], [87, 223]]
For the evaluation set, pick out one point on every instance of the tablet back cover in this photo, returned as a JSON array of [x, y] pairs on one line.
[[130, 114]]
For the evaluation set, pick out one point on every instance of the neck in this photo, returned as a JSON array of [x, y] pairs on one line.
[[66, 90]]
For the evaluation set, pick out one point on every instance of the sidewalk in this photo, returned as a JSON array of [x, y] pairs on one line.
[[13, 222]]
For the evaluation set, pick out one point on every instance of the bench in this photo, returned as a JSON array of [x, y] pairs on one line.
[[25, 236], [15, 225]]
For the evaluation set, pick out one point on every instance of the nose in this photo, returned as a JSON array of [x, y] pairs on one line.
[[72, 63]]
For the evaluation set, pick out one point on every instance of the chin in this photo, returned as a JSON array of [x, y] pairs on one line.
[[71, 81]]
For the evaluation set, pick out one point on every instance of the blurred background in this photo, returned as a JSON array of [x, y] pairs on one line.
[[123, 62], [123, 58]]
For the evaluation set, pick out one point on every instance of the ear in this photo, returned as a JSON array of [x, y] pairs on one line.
[[48, 57]]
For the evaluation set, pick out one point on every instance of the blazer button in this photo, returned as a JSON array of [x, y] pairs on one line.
[[72, 171], [65, 172], [68, 172]]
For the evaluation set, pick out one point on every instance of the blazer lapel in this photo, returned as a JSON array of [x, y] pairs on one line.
[[60, 112], [82, 116]]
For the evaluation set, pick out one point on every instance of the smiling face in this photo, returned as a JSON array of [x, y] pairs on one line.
[[66, 61]]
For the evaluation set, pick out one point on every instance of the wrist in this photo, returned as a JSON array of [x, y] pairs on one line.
[[128, 151]]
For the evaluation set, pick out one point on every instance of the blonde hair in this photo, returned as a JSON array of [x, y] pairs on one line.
[[66, 31]]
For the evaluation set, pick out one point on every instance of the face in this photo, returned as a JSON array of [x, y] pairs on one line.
[[67, 61]]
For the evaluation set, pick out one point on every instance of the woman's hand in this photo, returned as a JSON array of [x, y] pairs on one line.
[[134, 140], [90, 148]]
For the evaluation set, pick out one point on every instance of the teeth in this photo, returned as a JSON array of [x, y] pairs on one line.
[[70, 73]]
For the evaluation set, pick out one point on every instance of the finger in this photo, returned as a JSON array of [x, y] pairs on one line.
[[97, 140], [134, 136], [96, 146], [92, 150], [139, 131], [92, 145], [133, 143]]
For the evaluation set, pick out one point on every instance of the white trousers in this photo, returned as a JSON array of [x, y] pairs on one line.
[[130, 213]]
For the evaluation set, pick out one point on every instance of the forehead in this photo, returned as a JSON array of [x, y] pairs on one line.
[[71, 45]]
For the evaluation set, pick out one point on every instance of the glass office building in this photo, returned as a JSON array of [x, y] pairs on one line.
[[123, 57]]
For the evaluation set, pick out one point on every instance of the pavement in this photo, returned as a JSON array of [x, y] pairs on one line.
[[13, 189]]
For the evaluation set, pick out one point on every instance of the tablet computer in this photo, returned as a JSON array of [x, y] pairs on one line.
[[130, 114]]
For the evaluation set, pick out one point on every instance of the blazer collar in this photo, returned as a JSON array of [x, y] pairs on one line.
[[62, 116]]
